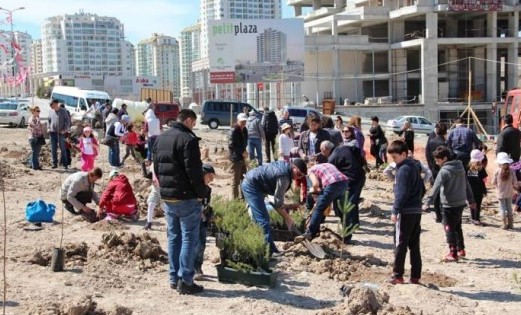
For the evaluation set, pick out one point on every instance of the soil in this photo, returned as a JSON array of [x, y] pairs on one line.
[[113, 267]]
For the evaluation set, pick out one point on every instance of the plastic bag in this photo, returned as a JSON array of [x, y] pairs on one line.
[[39, 211]]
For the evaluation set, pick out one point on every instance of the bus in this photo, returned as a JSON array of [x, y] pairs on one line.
[[76, 100]]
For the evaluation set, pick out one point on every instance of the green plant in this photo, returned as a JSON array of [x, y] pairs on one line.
[[345, 209], [294, 197], [243, 244], [277, 221]]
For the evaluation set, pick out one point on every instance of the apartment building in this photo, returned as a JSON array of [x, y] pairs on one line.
[[36, 56], [427, 52], [226, 9], [159, 56], [189, 49]]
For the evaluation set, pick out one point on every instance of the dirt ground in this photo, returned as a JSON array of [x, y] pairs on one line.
[[116, 268]]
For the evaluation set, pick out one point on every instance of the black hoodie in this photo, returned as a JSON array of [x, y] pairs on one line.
[[408, 188]]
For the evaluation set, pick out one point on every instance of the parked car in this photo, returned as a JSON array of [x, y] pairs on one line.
[[217, 113], [419, 124], [166, 112], [298, 114], [14, 114]]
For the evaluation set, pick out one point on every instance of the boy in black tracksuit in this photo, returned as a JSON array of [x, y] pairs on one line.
[[406, 213], [206, 219]]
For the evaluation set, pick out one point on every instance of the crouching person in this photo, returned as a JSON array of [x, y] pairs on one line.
[[406, 213], [118, 198], [77, 191]]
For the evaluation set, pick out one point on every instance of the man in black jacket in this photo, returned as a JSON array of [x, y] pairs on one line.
[[310, 140], [271, 130], [179, 171], [237, 143], [509, 139]]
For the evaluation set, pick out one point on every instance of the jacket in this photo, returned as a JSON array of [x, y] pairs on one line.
[[303, 142], [348, 161], [237, 143], [462, 140], [74, 184], [408, 188], [508, 141], [255, 130], [59, 121], [377, 135], [178, 165], [452, 185], [132, 138], [264, 178], [270, 123], [504, 188], [118, 192], [432, 144], [335, 136]]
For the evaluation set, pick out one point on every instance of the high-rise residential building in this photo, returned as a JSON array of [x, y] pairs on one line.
[[24, 42], [189, 51], [84, 43], [225, 9], [36, 57], [271, 46], [128, 58], [159, 56], [435, 54]]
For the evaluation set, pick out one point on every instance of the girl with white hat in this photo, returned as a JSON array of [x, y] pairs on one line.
[[285, 142], [476, 175], [505, 181]]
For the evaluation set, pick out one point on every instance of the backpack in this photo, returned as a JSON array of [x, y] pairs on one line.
[[270, 124]]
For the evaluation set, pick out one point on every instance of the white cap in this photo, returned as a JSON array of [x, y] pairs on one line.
[[476, 156], [285, 126], [503, 158], [242, 117], [113, 173]]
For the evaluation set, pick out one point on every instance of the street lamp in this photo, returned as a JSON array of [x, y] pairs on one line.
[[12, 31]]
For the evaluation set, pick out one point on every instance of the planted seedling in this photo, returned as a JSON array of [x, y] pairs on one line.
[[345, 209]]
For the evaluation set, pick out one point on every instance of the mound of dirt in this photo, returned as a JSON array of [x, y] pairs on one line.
[[339, 265], [122, 248], [378, 175], [108, 226], [371, 209], [362, 299], [75, 254], [77, 306]]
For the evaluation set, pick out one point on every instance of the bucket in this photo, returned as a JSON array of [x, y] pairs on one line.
[[58, 259]]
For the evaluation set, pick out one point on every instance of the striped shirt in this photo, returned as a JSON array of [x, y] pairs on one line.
[[327, 174]]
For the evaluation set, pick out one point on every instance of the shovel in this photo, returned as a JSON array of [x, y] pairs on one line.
[[315, 249]]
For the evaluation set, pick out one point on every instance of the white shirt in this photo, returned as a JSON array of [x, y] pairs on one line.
[[88, 149], [312, 141], [154, 128], [285, 144]]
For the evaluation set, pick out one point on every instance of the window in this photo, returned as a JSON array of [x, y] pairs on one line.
[[297, 112], [68, 100], [412, 120], [424, 121]]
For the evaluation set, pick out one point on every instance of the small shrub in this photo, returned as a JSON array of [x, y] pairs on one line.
[[277, 221]]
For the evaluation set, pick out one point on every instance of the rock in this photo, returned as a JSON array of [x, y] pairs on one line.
[[80, 306], [120, 310]]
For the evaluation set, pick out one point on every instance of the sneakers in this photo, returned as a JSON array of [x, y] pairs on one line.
[[450, 258], [395, 280], [414, 281], [199, 275], [184, 288], [173, 286], [148, 226], [461, 253]]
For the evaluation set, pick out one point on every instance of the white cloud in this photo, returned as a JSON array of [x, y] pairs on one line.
[[141, 18]]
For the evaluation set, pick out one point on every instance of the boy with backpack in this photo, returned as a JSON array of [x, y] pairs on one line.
[[406, 213]]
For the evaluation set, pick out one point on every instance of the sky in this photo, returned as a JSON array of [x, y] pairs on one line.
[[141, 18]]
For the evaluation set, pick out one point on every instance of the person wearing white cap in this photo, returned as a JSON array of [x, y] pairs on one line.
[[505, 181], [237, 144], [476, 175], [285, 142], [89, 149]]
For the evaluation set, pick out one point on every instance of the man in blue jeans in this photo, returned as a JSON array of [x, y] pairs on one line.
[[330, 185], [59, 124], [179, 171], [271, 179], [255, 137]]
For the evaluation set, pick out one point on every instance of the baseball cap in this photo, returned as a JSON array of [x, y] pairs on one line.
[[125, 118], [476, 156], [301, 165], [113, 173], [242, 117], [208, 168]]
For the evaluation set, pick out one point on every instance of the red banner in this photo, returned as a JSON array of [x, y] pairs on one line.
[[475, 5], [222, 77]]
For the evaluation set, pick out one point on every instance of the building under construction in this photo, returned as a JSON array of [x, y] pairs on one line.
[[411, 53]]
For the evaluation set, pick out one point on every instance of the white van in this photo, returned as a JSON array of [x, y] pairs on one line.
[[76, 100]]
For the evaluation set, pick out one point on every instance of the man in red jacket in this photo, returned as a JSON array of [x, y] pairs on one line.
[[118, 198]]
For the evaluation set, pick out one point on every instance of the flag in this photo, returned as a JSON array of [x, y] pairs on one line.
[[9, 18]]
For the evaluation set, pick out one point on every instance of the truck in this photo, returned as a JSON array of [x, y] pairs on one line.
[[512, 106]]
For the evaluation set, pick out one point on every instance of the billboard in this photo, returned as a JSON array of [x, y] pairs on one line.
[[270, 50], [475, 5]]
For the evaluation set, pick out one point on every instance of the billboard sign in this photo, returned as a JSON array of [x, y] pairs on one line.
[[475, 5], [270, 50]]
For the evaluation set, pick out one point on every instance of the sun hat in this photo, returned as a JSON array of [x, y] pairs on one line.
[[503, 158], [476, 156], [113, 173], [242, 117], [285, 126]]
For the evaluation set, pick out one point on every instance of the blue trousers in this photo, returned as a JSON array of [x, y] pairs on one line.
[[255, 149], [114, 155], [58, 139], [332, 193], [35, 153]]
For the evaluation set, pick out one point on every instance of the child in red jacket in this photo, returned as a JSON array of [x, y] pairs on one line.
[[118, 198], [131, 141]]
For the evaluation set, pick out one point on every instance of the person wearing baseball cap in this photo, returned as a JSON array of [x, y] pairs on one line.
[[271, 179], [476, 176], [237, 144]]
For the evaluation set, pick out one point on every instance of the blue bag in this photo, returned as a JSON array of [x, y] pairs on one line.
[[39, 211]]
